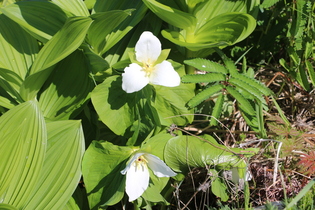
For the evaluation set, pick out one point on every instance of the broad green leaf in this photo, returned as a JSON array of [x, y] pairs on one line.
[[76, 7], [4, 206], [205, 94], [66, 41], [67, 88], [41, 19], [18, 52], [206, 65], [209, 77], [61, 172], [183, 152], [120, 110], [23, 140], [219, 188], [101, 168], [171, 15], [100, 34]]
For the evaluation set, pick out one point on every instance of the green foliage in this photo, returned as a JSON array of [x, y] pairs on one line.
[[227, 80]]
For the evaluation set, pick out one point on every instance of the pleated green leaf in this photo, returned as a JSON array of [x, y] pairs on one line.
[[66, 41], [209, 77], [102, 29], [171, 15], [4, 206], [41, 19], [203, 95], [101, 168], [61, 172], [206, 65], [183, 152], [75, 7], [23, 140], [228, 27], [67, 88], [18, 49]]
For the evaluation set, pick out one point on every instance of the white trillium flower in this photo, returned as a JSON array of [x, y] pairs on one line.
[[137, 173], [136, 77]]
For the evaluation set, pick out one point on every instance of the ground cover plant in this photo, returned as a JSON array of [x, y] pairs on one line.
[[156, 104]]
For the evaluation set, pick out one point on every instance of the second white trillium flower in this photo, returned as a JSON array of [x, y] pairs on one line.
[[137, 173], [136, 77]]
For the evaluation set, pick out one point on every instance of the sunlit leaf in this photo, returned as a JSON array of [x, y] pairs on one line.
[[76, 7], [66, 41], [67, 88], [23, 140], [62, 166], [101, 168], [41, 19]]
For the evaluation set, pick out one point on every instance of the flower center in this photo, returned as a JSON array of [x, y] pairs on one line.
[[148, 68], [140, 163]]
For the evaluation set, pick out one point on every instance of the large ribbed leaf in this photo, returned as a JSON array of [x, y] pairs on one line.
[[18, 48], [41, 19], [62, 166], [66, 41], [67, 87], [103, 26], [171, 15], [23, 140], [76, 7]]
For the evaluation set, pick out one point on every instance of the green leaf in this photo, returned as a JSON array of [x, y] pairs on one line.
[[18, 50], [254, 83], [171, 15], [41, 19], [66, 41], [101, 168], [206, 65], [241, 100], [23, 140], [200, 97], [122, 111], [4, 206], [183, 152], [100, 35], [219, 188], [217, 110], [209, 77], [61, 172], [67, 88], [76, 7], [311, 71], [249, 89]]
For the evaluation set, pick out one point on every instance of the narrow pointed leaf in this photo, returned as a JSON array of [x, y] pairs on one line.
[[203, 95], [62, 166], [242, 101], [209, 77], [206, 65], [66, 41], [41, 19], [23, 142], [217, 110]]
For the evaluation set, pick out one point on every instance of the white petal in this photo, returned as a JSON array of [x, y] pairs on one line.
[[159, 168], [148, 48], [164, 74], [137, 181], [134, 78], [130, 161]]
